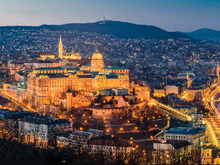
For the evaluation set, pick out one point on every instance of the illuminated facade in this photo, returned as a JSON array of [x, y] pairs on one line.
[[206, 152], [71, 55], [45, 55], [97, 62], [53, 81], [60, 48]]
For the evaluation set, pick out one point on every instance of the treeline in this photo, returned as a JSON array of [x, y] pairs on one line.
[[13, 152]]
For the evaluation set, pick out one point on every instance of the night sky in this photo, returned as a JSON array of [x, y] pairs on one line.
[[171, 15]]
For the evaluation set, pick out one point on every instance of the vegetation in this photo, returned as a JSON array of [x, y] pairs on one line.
[[14, 152], [120, 30], [198, 103]]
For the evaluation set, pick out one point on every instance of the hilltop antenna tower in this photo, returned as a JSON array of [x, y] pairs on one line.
[[103, 19]]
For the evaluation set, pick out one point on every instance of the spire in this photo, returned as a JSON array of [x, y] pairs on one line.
[[72, 50], [187, 77], [97, 50], [217, 70], [60, 48], [60, 39]]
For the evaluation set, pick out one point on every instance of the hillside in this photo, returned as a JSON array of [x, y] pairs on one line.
[[120, 30], [205, 33], [115, 28]]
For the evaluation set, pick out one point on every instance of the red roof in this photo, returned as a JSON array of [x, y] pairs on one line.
[[125, 98]]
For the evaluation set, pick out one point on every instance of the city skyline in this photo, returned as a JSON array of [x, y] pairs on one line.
[[169, 15]]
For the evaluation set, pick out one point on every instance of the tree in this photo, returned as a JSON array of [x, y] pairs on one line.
[[136, 100], [131, 102], [197, 98], [99, 99]]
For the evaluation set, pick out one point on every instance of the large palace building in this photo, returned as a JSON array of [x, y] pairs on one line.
[[53, 81]]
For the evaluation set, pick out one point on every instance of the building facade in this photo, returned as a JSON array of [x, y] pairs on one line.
[[108, 144], [54, 81], [42, 129], [192, 135], [71, 55]]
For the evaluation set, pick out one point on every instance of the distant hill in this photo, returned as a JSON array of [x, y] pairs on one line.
[[120, 30], [205, 33], [116, 28]]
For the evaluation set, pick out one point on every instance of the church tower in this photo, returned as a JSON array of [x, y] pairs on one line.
[[60, 48], [97, 62], [187, 77], [206, 152], [217, 71]]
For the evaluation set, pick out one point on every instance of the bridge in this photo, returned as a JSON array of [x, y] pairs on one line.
[[173, 112]]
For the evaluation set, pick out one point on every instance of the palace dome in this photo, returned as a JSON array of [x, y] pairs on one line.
[[97, 56]]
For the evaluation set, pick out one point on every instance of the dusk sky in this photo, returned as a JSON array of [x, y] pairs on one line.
[[171, 15]]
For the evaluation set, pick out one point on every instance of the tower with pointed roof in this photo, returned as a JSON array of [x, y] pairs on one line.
[[60, 48], [97, 62], [187, 77], [217, 70], [206, 152]]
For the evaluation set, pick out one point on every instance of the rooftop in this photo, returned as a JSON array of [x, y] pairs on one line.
[[185, 130], [50, 68], [114, 68], [45, 120]]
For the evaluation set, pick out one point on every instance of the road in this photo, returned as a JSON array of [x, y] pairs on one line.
[[211, 134], [15, 100]]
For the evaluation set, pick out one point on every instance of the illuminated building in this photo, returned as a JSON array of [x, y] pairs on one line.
[[60, 49], [42, 129], [54, 81], [45, 55], [70, 55], [97, 62], [206, 152], [108, 144], [192, 135], [76, 138]]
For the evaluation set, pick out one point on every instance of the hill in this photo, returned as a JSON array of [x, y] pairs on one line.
[[115, 28], [205, 33], [120, 30]]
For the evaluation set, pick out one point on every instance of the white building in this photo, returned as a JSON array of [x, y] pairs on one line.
[[42, 129], [192, 135], [42, 64], [108, 144], [120, 91], [76, 138]]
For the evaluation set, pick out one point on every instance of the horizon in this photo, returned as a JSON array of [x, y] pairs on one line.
[[170, 15], [101, 21]]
